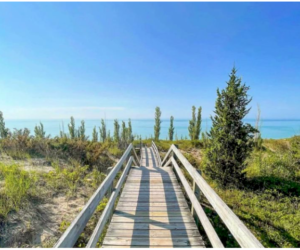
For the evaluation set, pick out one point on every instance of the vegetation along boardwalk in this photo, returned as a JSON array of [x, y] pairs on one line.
[[152, 210]]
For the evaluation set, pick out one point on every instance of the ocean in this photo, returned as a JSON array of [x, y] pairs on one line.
[[270, 128]]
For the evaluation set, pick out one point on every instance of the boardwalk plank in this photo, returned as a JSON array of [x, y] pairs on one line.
[[154, 209], [154, 226], [121, 219], [147, 204], [152, 241]]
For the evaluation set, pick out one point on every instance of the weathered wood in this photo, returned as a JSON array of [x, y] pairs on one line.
[[136, 157], [130, 188], [148, 204], [146, 178], [159, 233], [149, 195], [150, 219], [109, 206], [164, 161], [147, 246], [154, 185], [238, 229], [153, 209], [156, 153], [167, 163], [152, 181], [154, 226], [70, 236], [163, 214], [152, 199], [210, 231], [153, 241]]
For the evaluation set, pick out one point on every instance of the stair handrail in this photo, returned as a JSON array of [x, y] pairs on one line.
[[70, 236], [241, 233], [106, 214], [156, 152]]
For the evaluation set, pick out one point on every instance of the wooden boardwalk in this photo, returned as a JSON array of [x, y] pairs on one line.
[[152, 211]]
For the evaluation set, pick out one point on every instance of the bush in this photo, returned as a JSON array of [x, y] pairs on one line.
[[295, 148], [18, 186]]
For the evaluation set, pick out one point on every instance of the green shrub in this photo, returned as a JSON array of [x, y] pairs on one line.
[[295, 148], [273, 165], [115, 151], [18, 186], [63, 226]]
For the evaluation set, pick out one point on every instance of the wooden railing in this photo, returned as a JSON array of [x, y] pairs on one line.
[[156, 154], [237, 228], [70, 236]]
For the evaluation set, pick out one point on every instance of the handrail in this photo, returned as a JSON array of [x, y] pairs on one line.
[[237, 228], [109, 206], [70, 236], [211, 233], [156, 153]]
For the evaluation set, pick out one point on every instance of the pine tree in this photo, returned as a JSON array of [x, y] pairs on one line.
[[39, 131], [102, 130], [198, 124], [171, 129], [116, 131], [81, 132], [124, 135], [130, 136], [231, 141], [157, 123], [3, 131], [108, 136], [95, 135], [62, 131], [192, 124], [72, 130]]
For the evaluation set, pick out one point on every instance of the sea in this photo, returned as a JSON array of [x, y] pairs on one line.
[[270, 128]]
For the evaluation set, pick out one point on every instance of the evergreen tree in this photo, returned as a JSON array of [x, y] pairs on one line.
[[3, 131], [231, 141], [157, 123], [198, 124], [171, 129], [130, 136], [39, 131], [116, 131], [103, 134], [124, 135], [108, 136], [62, 131], [192, 124], [95, 135], [195, 124], [72, 130], [81, 132]]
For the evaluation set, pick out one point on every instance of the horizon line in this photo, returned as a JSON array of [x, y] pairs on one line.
[[120, 119]]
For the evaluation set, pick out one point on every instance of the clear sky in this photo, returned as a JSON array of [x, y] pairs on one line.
[[121, 60]]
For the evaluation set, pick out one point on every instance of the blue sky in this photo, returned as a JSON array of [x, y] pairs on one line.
[[121, 60]]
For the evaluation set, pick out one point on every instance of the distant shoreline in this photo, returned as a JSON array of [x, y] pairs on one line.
[[270, 128]]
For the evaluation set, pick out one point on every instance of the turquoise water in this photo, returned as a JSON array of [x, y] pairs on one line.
[[275, 129]]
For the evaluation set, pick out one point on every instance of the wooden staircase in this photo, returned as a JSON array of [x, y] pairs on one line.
[[152, 210]]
